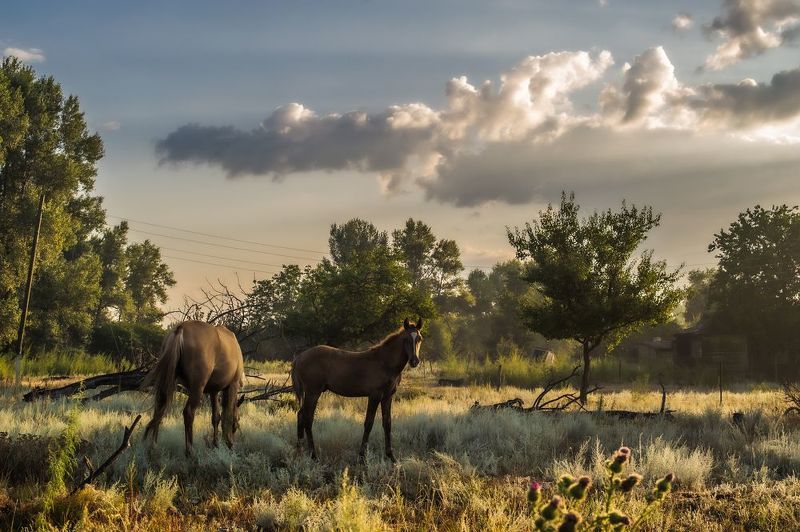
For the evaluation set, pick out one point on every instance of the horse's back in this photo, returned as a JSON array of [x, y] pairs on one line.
[[211, 355]]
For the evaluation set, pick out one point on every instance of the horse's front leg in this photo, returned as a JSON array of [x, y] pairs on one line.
[[372, 408], [386, 419]]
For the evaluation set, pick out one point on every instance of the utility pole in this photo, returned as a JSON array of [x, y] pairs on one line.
[[29, 286]]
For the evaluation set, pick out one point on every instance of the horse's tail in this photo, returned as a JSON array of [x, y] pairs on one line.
[[162, 379], [297, 385]]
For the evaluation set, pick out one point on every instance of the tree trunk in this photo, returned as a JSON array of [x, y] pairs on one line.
[[587, 360]]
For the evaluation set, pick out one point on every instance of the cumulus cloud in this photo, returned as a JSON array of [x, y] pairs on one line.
[[532, 99], [749, 104], [27, 55], [524, 137], [667, 166], [682, 22], [751, 27], [295, 139]]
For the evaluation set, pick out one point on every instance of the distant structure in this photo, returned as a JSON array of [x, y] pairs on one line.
[[702, 345]]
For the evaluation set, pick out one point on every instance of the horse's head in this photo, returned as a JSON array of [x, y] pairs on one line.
[[412, 341]]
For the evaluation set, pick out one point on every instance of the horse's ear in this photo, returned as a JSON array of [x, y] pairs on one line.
[[419, 324], [406, 325]]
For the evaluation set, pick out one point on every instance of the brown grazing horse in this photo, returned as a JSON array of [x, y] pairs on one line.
[[374, 373], [205, 359]]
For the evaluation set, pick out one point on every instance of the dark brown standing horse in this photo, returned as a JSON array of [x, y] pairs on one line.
[[205, 359], [374, 373]]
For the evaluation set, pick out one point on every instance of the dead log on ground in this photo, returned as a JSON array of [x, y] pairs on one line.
[[451, 382], [562, 402], [121, 381]]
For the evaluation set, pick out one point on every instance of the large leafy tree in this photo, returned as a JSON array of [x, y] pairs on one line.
[[147, 282], [45, 148], [756, 290], [594, 287], [434, 266], [359, 296], [110, 246]]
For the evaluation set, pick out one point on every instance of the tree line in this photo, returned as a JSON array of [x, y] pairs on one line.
[[579, 285], [91, 287]]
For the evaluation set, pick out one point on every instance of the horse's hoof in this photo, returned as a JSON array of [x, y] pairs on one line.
[[391, 458], [362, 459]]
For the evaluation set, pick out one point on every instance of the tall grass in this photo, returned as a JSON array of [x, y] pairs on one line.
[[65, 362]]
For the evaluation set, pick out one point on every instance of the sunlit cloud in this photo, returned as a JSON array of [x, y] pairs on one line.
[[26, 55]]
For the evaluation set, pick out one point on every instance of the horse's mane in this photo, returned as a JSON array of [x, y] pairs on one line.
[[389, 337]]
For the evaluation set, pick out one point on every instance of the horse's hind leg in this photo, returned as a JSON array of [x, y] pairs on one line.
[[215, 417], [195, 398], [300, 426], [308, 409]]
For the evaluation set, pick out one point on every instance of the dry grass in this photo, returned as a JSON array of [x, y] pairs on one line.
[[457, 470]]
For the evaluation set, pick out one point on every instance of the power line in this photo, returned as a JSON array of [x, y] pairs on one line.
[[223, 258], [231, 239], [215, 264], [310, 259]]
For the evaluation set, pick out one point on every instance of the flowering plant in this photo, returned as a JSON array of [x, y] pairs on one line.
[[564, 511]]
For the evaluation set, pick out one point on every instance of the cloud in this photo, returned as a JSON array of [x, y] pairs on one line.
[[27, 55], [295, 139], [751, 27], [749, 104], [532, 99], [524, 138], [111, 125], [682, 22], [649, 87], [673, 168]]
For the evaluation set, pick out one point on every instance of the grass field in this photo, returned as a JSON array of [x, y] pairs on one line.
[[457, 470]]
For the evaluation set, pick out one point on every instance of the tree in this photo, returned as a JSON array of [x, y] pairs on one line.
[[697, 295], [434, 266], [757, 287], [147, 281], [593, 288], [45, 148], [360, 295], [353, 239], [110, 248]]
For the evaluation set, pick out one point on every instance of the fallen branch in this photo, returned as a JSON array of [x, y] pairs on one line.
[[121, 381], [126, 443], [269, 392], [791, 395]]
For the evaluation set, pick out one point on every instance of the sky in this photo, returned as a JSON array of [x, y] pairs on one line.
[[265, 122]]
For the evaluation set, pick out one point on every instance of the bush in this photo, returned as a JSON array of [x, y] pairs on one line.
[[134, 342]]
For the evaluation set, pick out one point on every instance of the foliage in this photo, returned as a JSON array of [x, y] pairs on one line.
[[434, 266], [83, 270], [697, 302], [356, 297], [45, 148], [135, 342], [593, 289], [61, 462], [147, 282], [757, 287]]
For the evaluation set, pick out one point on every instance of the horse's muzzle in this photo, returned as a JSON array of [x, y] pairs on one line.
[[414, 362]]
